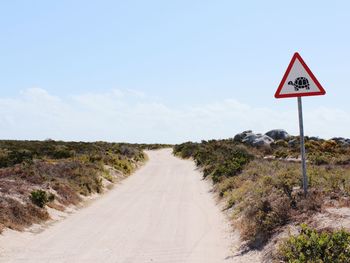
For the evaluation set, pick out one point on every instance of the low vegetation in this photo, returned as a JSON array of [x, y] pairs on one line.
[[262, 186], [38, 174], [316, 246], [41, 198]]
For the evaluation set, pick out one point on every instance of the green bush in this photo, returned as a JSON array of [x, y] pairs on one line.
[[229, 168], [314, 246], [41, 198], [10, 158], [62, 152]]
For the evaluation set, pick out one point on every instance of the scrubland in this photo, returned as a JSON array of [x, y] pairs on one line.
[[35, 175], [262, 191]]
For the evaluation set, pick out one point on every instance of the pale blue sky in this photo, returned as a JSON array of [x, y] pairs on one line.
[[182, 56]]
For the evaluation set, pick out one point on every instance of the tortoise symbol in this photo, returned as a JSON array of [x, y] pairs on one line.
[[300, 83]]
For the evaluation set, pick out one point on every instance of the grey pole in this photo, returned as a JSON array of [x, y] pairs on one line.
[[302, 145]]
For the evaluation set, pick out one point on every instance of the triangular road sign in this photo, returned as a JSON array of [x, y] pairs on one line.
[[298, 81]]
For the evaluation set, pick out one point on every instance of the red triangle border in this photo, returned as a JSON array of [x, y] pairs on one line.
[[295, 57]]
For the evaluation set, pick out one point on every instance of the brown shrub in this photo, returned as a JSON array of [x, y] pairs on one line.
[[66, 195], [263, 217], [16, 215]]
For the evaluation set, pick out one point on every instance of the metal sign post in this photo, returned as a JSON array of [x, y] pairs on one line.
[[299, 81], [302, 145]]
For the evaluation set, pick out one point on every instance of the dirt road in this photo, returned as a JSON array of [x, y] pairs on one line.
[[163, 213]]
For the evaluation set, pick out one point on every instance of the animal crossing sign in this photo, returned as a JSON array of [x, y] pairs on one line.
[[298, 81]]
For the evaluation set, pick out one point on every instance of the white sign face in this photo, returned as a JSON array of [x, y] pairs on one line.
[[298, 81]]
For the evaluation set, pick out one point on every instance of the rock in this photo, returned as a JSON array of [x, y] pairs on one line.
[[262, 141], [252, 139], [278, 134], [240, 136], [338, 139], [342, 141]]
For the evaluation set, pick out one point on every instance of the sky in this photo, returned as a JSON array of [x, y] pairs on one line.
[[168, 71]]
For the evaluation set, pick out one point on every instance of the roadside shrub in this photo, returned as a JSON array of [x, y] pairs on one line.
[[66, 194], [106, 175], [185, 150], [222, 160], [9, 158], [62, 152], [329, 146], [85, 179], [314, 246], [318, 159], [228, 168], [16, 215], [281, 143], [127, 150], [41, 198], [265, 196], [281, 153], [14, 152], [311, 145], [343, 160], [262, 214], [331, 180], [124, 166], [4, 158]]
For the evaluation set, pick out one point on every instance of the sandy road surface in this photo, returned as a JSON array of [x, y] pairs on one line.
[[163, 213]]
